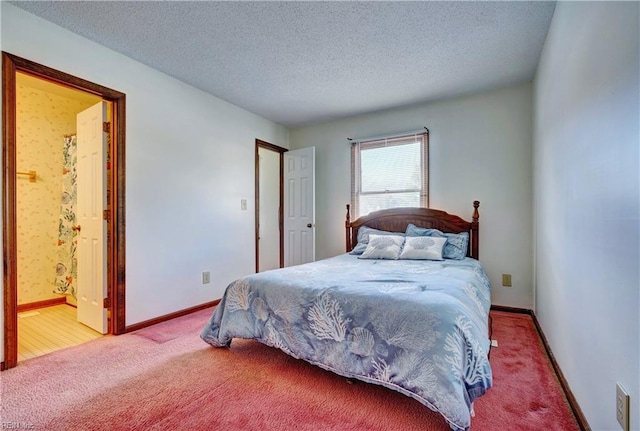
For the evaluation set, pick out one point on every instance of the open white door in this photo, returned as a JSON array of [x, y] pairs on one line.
[[92, 201], [299, 206]]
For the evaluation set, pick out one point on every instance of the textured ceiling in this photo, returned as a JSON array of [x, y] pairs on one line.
[[299, 63]]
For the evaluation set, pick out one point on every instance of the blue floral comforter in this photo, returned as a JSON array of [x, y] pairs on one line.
[[417, 327]]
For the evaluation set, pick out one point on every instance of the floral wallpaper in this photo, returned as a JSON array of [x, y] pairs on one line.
[[67, 263], [44, 116]]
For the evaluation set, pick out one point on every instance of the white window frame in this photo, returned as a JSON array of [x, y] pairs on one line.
[[394, 140]]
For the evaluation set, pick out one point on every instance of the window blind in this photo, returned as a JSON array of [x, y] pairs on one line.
[[390, 172]]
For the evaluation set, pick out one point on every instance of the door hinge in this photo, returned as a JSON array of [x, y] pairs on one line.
[[105, 302], [106, 215], [106, 127]]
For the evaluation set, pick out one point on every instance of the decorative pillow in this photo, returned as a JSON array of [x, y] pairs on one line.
[[423, 247], [363, 238], [383, 247], [454, 248]]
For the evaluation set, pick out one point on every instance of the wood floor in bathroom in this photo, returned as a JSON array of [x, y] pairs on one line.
[[46, 330]]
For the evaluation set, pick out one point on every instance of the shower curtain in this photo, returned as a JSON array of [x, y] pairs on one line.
[[66, 267]]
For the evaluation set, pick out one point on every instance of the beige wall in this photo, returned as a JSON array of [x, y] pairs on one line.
[[587, 202], [479, 148], [190, 161], [269, 257], [45, 113]]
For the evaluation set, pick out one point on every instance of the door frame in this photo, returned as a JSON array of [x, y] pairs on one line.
[[280, 151], [115, 217]]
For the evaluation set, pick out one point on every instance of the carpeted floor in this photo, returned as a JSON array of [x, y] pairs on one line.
[[165, 377], [526, 394]]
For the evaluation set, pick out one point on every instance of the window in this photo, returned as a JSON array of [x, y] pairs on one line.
[[390, 172]]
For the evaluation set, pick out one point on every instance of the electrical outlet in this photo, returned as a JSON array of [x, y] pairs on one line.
[[243, 204], [622, 407], [206, 277], [506, 280]]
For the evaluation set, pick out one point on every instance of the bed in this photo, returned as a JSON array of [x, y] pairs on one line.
[[387, 311]]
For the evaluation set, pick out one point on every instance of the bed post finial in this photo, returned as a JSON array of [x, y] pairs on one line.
[[475, 249], [347, 226]]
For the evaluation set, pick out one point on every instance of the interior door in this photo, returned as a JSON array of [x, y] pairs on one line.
[[299, 206], [92, 201]]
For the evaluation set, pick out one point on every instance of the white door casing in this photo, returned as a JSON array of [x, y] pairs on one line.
[[299, 206], [92, 201]]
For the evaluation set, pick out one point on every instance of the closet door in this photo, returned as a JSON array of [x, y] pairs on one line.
[[299, 206]]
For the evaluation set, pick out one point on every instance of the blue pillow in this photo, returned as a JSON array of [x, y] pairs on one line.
[[363, 238], [455, 247]]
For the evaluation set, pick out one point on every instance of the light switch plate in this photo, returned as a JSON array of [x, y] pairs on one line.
[[206, 277]]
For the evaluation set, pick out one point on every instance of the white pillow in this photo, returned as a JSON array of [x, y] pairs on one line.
[[383, 247], [423, 247]]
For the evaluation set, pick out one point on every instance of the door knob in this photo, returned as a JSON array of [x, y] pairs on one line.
[[309, 225]]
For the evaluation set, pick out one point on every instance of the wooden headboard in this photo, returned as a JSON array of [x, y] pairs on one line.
[[397, 219]]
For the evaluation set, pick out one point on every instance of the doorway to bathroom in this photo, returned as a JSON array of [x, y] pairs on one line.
[[63, 224], [48, 230]]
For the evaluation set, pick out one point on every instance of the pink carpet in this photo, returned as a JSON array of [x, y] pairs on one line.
[[526, 393], [165, 377]]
